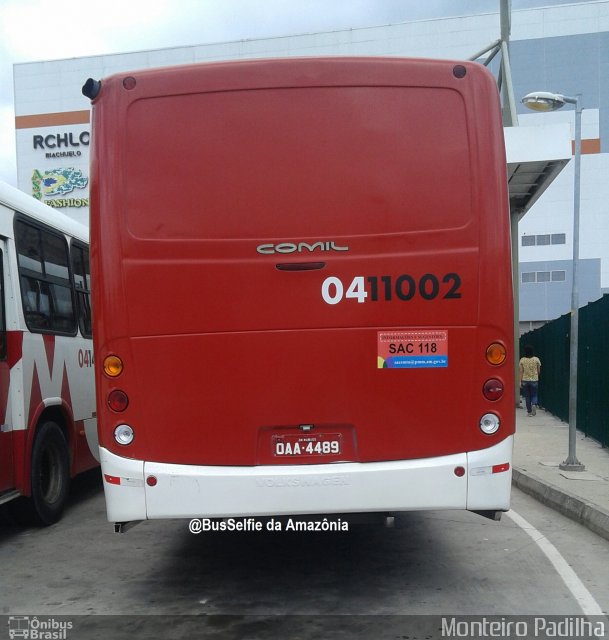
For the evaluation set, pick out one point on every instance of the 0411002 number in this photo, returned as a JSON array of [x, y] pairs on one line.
[[386, 288]]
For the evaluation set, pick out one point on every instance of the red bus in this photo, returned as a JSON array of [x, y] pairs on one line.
[[302, 287], [47, 395]]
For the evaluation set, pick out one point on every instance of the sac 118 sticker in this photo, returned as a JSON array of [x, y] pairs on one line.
[[411, 349]]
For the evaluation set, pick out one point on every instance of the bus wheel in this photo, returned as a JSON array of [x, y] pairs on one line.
[[50, 475]]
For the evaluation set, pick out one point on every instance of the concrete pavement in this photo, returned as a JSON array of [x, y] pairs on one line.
[[540, 445]]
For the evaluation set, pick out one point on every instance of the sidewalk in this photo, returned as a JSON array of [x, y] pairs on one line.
[[540, 445]]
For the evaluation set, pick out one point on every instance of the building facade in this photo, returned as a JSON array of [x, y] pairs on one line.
[[564, 49]]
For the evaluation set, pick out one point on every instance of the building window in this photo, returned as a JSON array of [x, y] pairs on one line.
[[543, 240], [543, 276]]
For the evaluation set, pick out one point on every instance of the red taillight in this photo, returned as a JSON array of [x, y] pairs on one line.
[[118, 400], [459, 472], [501, 468], [151, 481], [112, 479], [493, 389]]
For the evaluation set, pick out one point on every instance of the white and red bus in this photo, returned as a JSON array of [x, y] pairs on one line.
[[302, 286], [47, 391]]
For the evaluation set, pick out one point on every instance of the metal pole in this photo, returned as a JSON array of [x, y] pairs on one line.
[[514, 219], [505, 10], [572, 463], [510, 115], [494, 47]]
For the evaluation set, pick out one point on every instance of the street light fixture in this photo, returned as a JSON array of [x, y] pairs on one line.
[[545, 101]]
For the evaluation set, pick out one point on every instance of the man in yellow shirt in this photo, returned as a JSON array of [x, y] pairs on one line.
[[530, 366]]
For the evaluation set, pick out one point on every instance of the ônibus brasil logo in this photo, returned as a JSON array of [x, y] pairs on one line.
[[299, 247], [35, 628]]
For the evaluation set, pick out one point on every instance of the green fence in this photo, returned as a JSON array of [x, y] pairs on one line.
[[551, 344]]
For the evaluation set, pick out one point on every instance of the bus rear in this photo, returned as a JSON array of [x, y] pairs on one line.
[[302, 289]]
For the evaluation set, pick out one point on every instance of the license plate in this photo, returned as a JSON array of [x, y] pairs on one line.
[[301, 445]]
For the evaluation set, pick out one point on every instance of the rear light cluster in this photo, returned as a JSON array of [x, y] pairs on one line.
[[113, 366], [123, 434], [493, 388], [117, 400], [496, 354], [489, 423]]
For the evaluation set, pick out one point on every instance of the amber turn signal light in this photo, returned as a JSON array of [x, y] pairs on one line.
[[113, 366], [496, 353]]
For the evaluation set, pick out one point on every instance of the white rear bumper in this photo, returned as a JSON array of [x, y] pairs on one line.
[[188, 491]]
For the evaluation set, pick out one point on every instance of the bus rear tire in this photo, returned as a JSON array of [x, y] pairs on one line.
[[50, 477]]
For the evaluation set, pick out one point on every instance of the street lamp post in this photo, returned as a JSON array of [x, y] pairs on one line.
[[544, 101]]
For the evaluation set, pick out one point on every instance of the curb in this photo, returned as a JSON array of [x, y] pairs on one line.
[[586, 513]]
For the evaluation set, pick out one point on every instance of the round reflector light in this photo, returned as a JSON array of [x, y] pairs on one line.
[[129, 83], [123, 434], [118, 400], [489, 423], [151, 481], [113, 366], [493, 389], [496, 353]]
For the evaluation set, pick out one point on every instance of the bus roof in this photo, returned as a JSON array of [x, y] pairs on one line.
[[20, 201]]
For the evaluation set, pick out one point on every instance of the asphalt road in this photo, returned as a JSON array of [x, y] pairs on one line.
[[360, 583]]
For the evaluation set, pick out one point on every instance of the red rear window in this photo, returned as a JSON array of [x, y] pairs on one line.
[[213, 171]]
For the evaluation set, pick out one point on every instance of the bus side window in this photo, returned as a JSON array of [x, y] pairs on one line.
[[45, 279], [82, 282], [35, 304]]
